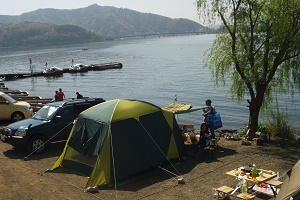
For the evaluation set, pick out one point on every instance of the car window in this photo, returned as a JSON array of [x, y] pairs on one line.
[[45, 113], [67, 113], [6, 97], [2, 100]]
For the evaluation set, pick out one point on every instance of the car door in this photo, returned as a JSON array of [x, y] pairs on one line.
[[5, 107], [78, 108], [61, 124]]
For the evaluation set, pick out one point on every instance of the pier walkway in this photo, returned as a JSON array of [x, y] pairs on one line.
[[92, 67]]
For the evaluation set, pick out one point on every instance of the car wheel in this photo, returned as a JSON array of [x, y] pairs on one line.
[[17, 116], [37, 144]]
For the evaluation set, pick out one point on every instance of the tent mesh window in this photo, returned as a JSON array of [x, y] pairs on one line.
[[86, 140]]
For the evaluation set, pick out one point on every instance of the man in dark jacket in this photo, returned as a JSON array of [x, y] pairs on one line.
[[79, 96]]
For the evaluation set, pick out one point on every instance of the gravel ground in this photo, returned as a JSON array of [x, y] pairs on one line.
[[201, 172]]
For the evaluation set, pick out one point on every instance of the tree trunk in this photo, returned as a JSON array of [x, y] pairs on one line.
[[253, 124], [254, 109]]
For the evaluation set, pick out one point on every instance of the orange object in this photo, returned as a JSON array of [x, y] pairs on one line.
[[185, 136]]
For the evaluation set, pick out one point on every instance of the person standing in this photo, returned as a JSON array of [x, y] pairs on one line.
[[60, 95], [209, 110], [55, 96], [31, 67]]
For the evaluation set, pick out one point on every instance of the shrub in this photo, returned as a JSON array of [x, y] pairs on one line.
[[262, 127], [279, 125], [243, 133]]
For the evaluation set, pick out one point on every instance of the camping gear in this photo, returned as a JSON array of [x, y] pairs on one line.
[[183, 108], [215, 120], [119, 138], [290, 189]]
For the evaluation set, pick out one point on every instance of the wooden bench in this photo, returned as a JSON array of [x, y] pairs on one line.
[[245, 196], [276, 184], [225, 191]]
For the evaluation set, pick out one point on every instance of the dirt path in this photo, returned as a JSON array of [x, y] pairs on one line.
[[21, 179]]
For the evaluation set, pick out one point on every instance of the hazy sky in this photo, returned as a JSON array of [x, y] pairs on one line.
[[168, 8]]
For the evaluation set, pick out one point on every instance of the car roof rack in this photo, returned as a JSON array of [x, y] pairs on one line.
[[85, 99]]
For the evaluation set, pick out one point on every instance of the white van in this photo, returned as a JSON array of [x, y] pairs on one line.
[[11, 109]]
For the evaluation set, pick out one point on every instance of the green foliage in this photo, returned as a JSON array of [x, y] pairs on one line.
[[258, 52], [249, 52], [35, 34], [279, 126], [244, 131], [263, 127]]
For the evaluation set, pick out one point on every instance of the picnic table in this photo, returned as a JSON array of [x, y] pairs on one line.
[[267, 175], [252, 184]]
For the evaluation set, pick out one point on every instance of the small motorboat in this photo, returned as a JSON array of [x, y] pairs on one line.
[[78, 68], [53, 71]]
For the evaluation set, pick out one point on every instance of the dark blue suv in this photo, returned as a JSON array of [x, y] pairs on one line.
[[53, 122]]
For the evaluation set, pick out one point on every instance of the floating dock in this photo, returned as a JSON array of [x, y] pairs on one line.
[[92, 67], [36, 102]]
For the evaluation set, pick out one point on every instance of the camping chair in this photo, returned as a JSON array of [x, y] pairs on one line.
[[204, 144], [186, 127], [217, 138]]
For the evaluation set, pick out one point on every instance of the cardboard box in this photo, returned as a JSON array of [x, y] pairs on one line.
[[257, 141]]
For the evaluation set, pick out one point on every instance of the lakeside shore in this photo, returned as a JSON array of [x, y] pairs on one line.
[[201, 172]]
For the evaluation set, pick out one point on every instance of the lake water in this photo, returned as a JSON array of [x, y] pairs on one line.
[[154, 70]]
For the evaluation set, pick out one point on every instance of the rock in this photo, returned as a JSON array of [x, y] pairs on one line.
[[244, 142]]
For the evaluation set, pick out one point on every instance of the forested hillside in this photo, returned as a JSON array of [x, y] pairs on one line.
[[111, 21], [35, 34]]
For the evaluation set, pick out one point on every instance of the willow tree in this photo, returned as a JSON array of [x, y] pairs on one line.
[[258, 51]]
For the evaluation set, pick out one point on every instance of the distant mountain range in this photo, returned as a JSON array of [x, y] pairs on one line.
[[110, 21], [40, 34], [91, 24]]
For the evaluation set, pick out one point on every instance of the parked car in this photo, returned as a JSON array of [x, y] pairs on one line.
[[53, 122], [11, 109]]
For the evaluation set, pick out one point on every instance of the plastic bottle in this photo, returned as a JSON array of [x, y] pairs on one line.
[[214, 192], [254, 172], [244, 187]]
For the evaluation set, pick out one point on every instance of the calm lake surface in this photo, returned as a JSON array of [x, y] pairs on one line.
[[154, 70]]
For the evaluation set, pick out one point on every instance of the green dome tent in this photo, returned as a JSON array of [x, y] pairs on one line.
[[119, 138]]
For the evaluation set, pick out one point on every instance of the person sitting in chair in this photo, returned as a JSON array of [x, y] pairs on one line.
[[205, 137]]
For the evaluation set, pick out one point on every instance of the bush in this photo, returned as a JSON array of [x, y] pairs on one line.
[[279, 126], [262, 127], [244, 131]]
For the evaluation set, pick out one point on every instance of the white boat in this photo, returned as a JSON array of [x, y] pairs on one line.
[[78, 68], [53, 71]]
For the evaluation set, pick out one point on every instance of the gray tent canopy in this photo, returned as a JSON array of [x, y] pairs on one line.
[[290, 188]]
